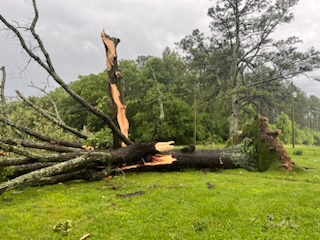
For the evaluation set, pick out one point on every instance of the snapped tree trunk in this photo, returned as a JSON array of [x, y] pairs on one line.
[[256, 149], [114, 76]]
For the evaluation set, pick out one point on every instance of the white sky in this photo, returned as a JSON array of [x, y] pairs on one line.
[[71, 33]]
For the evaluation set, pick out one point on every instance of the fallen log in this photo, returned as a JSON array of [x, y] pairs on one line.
[[118, 157], [258, 150], [227, 158], [255, 149]]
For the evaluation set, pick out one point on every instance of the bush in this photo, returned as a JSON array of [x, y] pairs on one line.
[[283, 123], [101, 140], [298, 152]]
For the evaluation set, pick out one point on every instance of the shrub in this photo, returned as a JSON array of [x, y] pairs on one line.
[[298, 152]]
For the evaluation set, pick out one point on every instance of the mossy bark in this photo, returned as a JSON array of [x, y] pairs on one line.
[[118, 157]]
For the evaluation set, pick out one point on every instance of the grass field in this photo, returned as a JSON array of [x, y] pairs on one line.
[[231, 204]]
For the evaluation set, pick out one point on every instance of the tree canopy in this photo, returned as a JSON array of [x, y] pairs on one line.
[[248, 64]]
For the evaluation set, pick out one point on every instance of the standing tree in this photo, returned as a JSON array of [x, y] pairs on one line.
[[241, 40]]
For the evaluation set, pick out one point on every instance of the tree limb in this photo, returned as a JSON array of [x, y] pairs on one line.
[[52, 119], [40, 136], [37, 145], [4, 106]]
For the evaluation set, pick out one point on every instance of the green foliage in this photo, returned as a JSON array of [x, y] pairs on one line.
[[297, 152], [25, 116], [304, 136], [153, 88], [94, 89], [5, 172], [174, 82], [316, 136], [283, 123], [248, 146], [211, 127], [176, 125], [260, 149], [242, 61], [101, 139]]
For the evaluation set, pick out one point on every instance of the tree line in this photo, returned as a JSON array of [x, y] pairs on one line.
[[206, 90], [166, 99]]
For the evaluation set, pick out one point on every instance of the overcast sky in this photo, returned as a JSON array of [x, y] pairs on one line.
[[71, 33]]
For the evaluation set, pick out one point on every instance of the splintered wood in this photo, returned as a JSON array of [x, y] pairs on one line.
[[111, 53], [114, 78], [121, 111], [157, 159], [164, 146]]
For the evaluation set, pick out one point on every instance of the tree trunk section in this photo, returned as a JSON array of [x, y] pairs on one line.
[[114, 76]]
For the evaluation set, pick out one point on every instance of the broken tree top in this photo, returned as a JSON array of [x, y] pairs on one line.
[[110, 44]]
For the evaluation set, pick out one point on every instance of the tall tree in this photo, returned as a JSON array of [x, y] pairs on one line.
[[241, 32]]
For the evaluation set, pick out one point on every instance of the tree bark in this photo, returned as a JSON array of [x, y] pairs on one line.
[[118, 157], [212, 160], [256, 149]]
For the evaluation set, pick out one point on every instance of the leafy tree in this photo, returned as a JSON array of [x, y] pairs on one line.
[[156, 105], [283, 123], [93, 88], [247, 57], [313, 115]]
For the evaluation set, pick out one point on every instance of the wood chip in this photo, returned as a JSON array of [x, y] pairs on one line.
[[85, 236]]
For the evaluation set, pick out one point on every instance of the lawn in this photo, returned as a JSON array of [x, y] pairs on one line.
[[230, 204]]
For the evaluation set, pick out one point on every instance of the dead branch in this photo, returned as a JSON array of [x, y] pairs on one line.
[[40, 136], [4, 106], [52, 119], [37, 145], [9, 161], [56, 114]]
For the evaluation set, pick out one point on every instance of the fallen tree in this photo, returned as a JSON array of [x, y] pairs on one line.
[[258, 150], [41, 159]]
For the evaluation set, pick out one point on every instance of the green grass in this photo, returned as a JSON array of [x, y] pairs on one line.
[[176, 205]]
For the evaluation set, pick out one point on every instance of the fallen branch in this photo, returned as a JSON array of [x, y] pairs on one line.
[[85, 236], [52, 119], [80, 160], [131, 194], [40, 136]]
